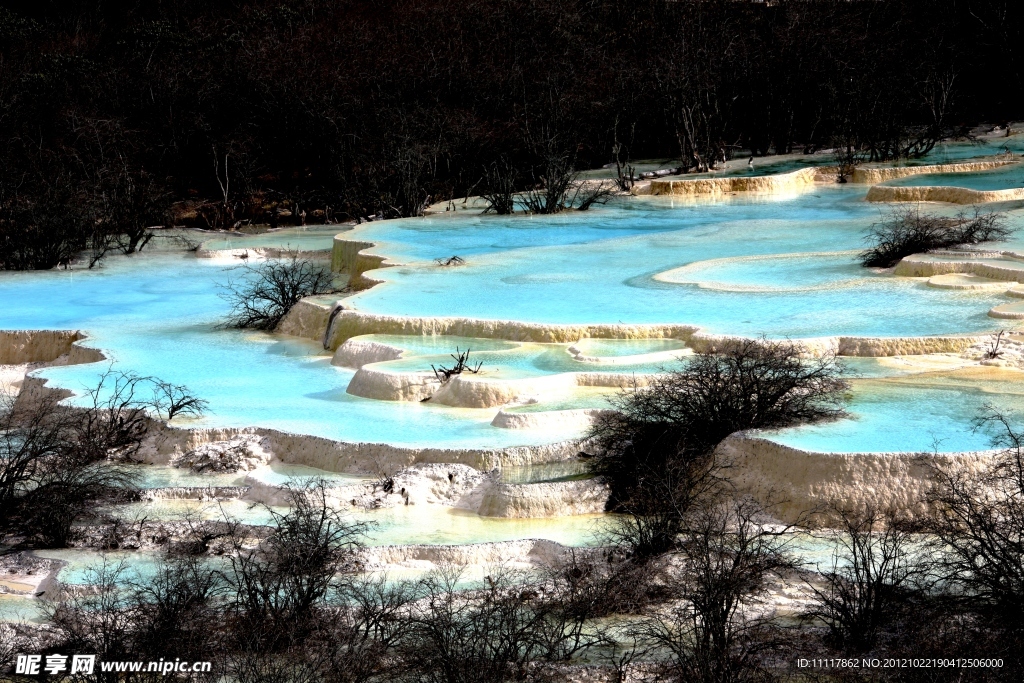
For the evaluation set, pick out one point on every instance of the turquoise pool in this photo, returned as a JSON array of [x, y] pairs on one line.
[[781, 267], [930, 413], [621, 263], [158, 315]]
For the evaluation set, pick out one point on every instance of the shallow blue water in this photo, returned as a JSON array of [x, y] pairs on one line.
[[946, 152], [529, 360], [307, 238], [601, 267], [158, 315], [908, 417]]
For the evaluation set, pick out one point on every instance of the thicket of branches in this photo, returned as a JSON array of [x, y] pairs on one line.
[[58, 462], [905, 231], [656, 449], [280, 111], [980, 521], [292, 605]]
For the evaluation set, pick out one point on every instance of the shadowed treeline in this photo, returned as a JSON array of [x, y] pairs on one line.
[[279, 110]]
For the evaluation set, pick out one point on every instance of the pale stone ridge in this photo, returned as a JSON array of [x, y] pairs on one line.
[[873, 176], [477, 391], [36, 346], [527, 551], [925, 265], [948, 195], [307, 319], [547, 499], [575, 418], [355, 353], [710, 187], [968, 281], [799, 485], [352, 257], [169, 442], [351, 323]]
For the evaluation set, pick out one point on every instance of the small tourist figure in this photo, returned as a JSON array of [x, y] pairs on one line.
[[750, 162]]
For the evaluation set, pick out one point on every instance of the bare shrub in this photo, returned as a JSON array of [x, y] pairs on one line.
[[717, 631], [874, 573], [608, 583], [280, 586], [268, 290], [98, 621], [184, 241], [587, 195], [130, 203], [992, 348], [44, 224], [59, 461], [54, 459], [500, 181], [359, 642], [491, 633], [450, 261], [625, 172], [847, 156], [559, 187], [555, 174], [172, 614], [655, 449], [172, 400], [462, 364], [907, 231]]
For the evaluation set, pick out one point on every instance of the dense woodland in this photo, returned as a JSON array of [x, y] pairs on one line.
[[118, 115]]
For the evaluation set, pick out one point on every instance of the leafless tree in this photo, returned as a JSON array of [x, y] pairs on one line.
[[500, 185], [847, 156], [625, 172], [992, 351], [262, 297], [905, 231], [130, 203], [280, 586], [126, 616], [494, 632], [979, 526], [58, 461], [462, 364], [655, 449], [172, 400]]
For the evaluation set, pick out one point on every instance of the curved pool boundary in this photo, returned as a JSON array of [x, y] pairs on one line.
[[354, 257], [875, 175], [45, 346], [308, 319]]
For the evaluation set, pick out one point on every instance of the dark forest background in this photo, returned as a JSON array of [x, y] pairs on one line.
[[113, 112]]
